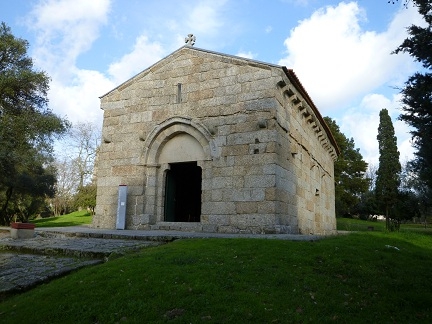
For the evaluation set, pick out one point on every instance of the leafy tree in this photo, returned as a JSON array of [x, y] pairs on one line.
[[417, 93], [367, 205], [388, 173], [349, 169], [410, 182], [407, 207], [27, 129], [86, 197]]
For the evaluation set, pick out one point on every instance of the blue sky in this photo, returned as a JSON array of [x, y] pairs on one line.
[[340, 50]]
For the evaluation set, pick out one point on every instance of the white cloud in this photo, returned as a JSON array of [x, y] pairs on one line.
[[337, 60], [141, 57], [248, 55], [206, 17], [79, 99], [362, 123], [65, 29]]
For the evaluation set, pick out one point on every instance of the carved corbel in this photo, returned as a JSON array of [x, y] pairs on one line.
[[107, 138]]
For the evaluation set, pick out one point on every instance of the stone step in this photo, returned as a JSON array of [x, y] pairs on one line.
[[118, 235], [93, 248], [178, 226]]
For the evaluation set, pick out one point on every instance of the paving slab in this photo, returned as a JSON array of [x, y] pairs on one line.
[[25, 263], [81, 247], [19, 272]]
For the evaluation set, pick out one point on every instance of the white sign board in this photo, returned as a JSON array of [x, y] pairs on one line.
[[121, 207]]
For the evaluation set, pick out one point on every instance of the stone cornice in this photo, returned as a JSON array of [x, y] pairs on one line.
[[316, 123]]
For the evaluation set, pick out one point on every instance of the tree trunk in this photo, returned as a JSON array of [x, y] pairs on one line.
[[4, 220], [387, 218]]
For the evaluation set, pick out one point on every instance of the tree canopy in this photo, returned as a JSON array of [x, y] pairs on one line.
[[27, 129], [349, 171], [417, 93], [86, 197]]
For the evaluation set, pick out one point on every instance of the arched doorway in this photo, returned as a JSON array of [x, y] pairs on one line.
[[183, 193], [182, 202], [175, 156]]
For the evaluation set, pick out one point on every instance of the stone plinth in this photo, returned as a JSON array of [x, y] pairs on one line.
[[22, 230]]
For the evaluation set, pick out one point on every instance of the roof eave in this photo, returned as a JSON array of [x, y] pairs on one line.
[[296, 82]]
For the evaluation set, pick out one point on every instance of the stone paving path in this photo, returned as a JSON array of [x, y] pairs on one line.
[[19, 272], [74, 246], [25, 263]]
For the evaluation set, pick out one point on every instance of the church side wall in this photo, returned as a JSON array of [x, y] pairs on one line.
[[306, 186]]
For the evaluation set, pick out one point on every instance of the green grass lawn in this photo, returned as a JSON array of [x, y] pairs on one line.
[[364, 277], [77, 218], [349, 224]]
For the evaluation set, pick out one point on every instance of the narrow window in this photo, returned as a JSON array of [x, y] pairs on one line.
[[179, 89]]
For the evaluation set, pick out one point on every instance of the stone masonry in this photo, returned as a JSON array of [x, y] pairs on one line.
[[243, 134]]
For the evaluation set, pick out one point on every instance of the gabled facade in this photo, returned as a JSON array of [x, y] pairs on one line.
[[211, 142]]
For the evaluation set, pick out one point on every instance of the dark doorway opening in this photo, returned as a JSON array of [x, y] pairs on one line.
[[183, 193]]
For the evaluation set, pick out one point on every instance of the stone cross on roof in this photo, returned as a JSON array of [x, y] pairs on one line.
[[190, 39]]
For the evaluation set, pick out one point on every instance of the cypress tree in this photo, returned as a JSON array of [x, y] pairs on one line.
[[388, 173]]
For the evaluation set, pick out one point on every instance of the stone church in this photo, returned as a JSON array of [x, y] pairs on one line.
[[211, 142]]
